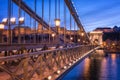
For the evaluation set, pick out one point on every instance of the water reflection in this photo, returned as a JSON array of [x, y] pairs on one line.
[[105, 68]]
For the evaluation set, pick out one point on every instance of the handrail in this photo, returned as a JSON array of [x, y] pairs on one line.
[[52, 62], [19, 56]]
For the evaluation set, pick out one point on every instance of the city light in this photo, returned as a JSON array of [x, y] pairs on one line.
[[57, 22], [2, 26], [82, 34], [49, 77], [71, 38], [58, 71], [13, 20], [78, 40], [70, 64], [5, 21], [65, 67], [21, 20], [53, 35]]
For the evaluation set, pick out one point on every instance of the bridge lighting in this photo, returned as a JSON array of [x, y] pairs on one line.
[[57, 22], [21, 20], [2, 26], [70, 64], [5, 20], [78, 40], [13, 20], [58, 72], [65, 67], [82, 34], [73, 61], [53, 35], [71, 38], [83, 41], [49, 77]]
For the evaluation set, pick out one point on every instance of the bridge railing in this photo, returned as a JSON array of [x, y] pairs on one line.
[[42, 65]]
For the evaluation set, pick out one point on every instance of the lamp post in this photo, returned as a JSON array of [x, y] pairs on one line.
[[82, 34], [57, 25], [21, 21], [78, 40], [12, 21], [71, 38], [53, 35], [1, 29]]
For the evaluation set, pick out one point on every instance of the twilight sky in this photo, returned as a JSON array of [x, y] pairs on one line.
[[92, 13], [98, 13]]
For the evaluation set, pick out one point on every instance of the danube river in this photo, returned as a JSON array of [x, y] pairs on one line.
[[97, 68]]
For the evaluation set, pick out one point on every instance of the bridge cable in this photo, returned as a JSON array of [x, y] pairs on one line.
[[42, 19], [74, 31], [70, 28], [11, 16], [55, 9], [35, 23], [31, 29], [49, 18], [64, 22], [9, 25], [78, 37], [59, 8], [19, 15], [24, 28]]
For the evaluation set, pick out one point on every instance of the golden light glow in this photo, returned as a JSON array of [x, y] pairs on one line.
[[58, 71], [2, 26], [71, 38], [78, 40], [65, 67], [113, 44], [113, 56], [53, 35], [21, 20], [5, 20], [13, 20], [70, 64], [82, 34], [57, 22], [49, 77], [87, 64]]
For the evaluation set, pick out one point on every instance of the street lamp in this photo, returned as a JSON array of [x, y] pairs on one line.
[[53, 35], [71, 38], [13, 20], [2, 26], [21, 20], [78, 40], [1, 29], [82, 34], [5, 21], [57, 24]]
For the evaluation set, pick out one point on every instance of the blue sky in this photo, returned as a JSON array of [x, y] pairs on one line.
[[92, 13], [98, 13]]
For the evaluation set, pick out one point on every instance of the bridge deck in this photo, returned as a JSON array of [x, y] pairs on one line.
[[42, 64]]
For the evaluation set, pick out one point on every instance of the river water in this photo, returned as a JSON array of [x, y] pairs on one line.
[[97, 68]]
